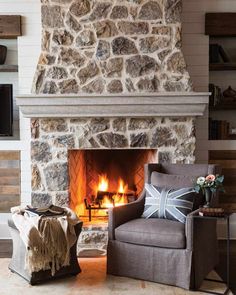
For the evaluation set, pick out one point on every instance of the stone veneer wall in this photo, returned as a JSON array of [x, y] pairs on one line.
[[111, 46], [174, 138]]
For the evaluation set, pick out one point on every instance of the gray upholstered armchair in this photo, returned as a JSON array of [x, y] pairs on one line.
[[162, 250]]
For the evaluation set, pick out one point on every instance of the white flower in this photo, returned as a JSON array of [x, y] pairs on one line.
[[201, 180]]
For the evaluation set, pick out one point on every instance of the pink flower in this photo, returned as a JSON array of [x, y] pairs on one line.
[[210, 178]]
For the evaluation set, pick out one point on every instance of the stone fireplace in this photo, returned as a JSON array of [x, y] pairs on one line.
[[111, 83], [69, 153]]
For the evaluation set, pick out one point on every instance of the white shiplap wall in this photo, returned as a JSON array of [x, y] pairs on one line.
[[195, 46]]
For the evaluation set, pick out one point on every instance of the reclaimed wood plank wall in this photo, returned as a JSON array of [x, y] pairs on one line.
[[9, 180]]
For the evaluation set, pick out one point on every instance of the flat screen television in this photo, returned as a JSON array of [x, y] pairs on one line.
[[6, 110]]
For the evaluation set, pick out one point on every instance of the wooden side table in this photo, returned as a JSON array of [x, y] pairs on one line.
[[227, 218]]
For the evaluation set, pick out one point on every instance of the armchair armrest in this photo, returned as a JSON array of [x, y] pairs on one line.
[[122, 214]]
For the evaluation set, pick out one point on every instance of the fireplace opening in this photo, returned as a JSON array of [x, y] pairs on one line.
[[101, 179]]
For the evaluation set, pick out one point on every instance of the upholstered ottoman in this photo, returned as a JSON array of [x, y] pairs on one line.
[[17, 264]]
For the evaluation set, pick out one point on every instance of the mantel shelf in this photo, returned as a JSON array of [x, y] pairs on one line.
[[8, 68], [168, 104]]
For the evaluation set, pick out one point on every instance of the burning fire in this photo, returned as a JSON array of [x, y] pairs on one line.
[[103, 183], [118, 198], [122, 188]]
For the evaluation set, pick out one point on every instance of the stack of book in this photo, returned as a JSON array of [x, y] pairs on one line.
[[212, 212], [218, 129], [216, 96]]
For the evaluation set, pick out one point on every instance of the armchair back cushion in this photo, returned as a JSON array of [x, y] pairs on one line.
[[171, 180]]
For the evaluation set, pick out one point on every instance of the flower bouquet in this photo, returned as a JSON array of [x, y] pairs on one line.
[[209, 185]]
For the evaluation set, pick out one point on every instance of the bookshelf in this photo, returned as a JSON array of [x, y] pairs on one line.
[[221, 29], [10, 30]]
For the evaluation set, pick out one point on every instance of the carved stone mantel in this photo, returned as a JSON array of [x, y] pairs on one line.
[[168, 104]]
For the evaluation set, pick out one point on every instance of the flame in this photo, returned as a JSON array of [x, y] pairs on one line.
[[106, 202], [122, 187], [118, 198], [103, 183]]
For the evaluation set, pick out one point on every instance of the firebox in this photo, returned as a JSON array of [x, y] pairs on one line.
[[101, 179]]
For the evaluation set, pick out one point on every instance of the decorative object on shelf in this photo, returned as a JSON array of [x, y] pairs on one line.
[[208, 197], [3, 54], [233, 130], [229, 95], [209, 185]]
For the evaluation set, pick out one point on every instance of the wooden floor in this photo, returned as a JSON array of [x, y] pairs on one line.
[[6, 252]]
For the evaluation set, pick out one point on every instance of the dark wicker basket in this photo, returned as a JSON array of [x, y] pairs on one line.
[[3, 54]]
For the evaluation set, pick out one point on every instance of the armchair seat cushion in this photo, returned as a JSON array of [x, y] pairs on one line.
[[161, 233]]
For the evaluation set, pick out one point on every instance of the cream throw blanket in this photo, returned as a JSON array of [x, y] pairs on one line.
[[48, 239]]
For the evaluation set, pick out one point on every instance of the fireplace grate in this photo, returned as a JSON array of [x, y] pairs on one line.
[[131, 196]]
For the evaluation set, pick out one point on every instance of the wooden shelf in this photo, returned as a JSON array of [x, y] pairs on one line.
[[8, 68], [229, 139], [223, 107], [232, 136], [223, 66], [220, 24], [10, 26], [222, 144]]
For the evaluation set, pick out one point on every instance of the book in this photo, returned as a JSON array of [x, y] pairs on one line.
[[218, 129], [216, 96], [52, 210], [212, 212]]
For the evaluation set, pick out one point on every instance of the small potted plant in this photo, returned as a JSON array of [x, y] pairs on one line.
[[209, 185]]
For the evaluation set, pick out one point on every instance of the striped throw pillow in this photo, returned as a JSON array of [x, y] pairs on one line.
[[173, 204]]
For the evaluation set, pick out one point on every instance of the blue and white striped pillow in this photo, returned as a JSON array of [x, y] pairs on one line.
[[173, 204]]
